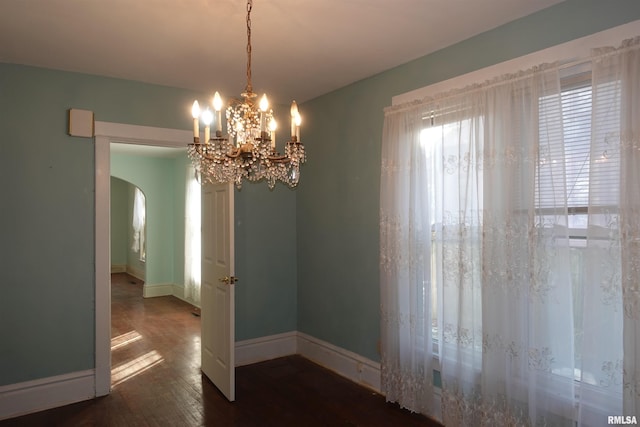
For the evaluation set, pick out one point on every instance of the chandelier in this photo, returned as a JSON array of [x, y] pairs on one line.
[[247, 151]]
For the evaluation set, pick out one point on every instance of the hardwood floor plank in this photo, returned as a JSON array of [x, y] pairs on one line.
[[156, 381]]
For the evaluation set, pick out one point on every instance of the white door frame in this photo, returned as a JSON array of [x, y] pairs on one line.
[[105, 134]]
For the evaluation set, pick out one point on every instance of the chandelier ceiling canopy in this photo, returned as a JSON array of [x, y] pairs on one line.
[[247, 149]]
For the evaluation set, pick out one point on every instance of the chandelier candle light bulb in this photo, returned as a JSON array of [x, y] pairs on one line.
[[247, 151], [273, 125], [294, 113], [195, 113], [264, 104], [217, 105], [207, 118]]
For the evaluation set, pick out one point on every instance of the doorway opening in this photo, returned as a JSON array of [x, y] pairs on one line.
[[107, 134], [153, 254], [122, 134]]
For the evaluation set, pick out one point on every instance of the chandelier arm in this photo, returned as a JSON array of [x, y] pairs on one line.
[[279, 159]]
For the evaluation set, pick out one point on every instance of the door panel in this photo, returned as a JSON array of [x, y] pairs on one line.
[[218, 296]]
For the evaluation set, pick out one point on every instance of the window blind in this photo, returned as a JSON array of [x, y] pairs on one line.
[[580, 166]]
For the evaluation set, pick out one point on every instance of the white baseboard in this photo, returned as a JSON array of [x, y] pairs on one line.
[[136, 272], [39, 395], [178, 292], [166, 289], [118, 268], [265, 348], [157, 290], [46, 393], [350, 365]]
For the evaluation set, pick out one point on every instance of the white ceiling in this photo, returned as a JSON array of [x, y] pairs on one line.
[[301, 48]]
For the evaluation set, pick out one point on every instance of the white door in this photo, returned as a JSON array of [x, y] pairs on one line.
[[217, 292]]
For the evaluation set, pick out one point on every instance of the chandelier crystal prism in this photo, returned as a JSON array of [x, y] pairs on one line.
[[247, 151]]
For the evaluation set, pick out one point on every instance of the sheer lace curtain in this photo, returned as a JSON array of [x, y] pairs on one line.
[[479, 247], [405, 272], [614, 229], [192, 238]]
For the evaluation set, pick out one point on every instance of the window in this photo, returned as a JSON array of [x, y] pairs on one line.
[[139, 224], [508, 233], [447, 149]]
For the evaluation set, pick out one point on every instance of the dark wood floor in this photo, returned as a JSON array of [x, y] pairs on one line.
[[157, 381]]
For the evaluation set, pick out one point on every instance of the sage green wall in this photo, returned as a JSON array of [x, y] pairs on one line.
[[154, 176], [265, 248], [338, 196], [119, 222], [47, 324], [172, 172]]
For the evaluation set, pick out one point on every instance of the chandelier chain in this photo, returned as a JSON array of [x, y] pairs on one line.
[[249, 6]]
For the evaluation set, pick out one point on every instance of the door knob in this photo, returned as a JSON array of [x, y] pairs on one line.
[[229, 280]]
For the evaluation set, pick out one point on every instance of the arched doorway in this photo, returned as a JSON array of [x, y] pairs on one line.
[[128, 228]]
